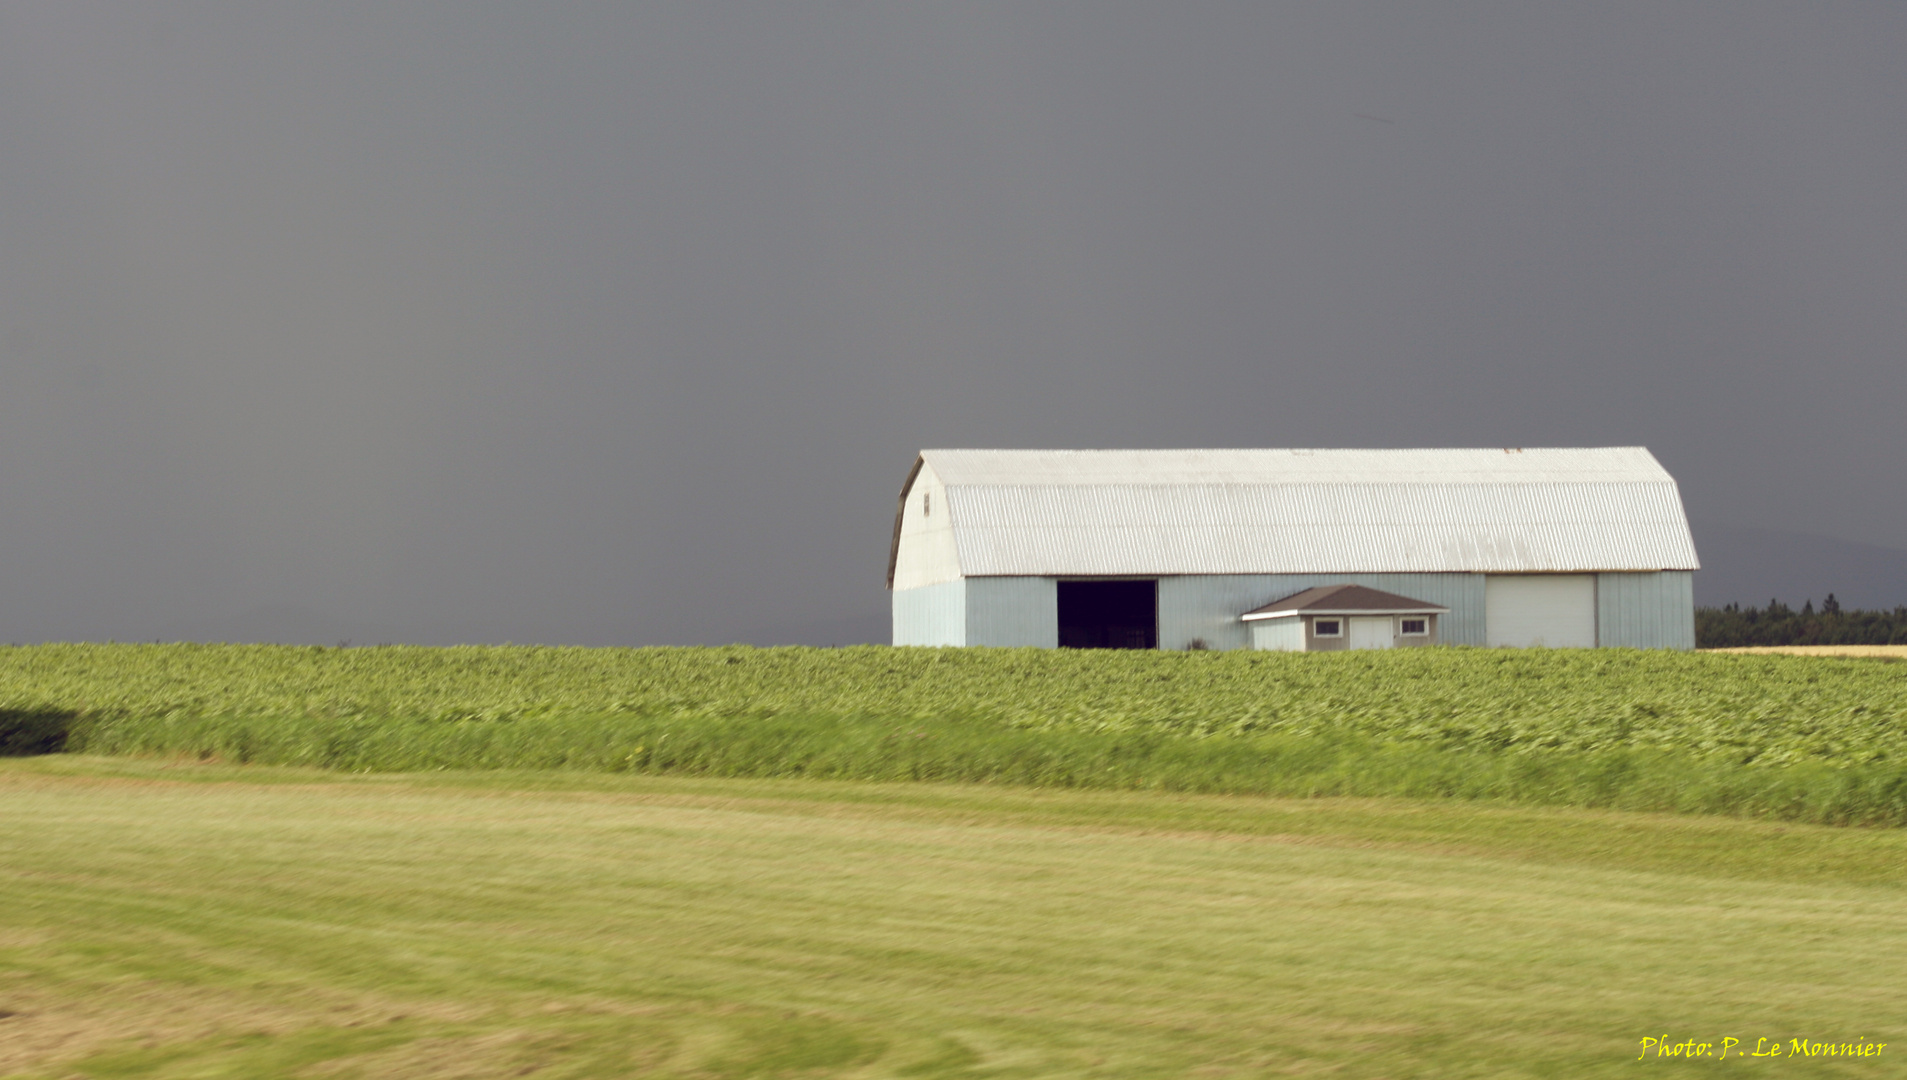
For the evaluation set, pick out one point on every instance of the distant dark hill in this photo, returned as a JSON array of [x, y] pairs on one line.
[[1753, 566]]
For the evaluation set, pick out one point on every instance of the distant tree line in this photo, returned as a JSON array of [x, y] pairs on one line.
[[1732, 626]]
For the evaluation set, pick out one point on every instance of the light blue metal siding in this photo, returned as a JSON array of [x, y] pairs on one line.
[[1278, 635], [931, 614], [1013, 611], [1208, 605], [1646, 610]]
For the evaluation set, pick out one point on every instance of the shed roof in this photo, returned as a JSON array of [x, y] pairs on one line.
[[1165, 512], [1344, 600]]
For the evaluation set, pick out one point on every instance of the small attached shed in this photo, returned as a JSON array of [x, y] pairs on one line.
[[1177, 549], [1333, 617]]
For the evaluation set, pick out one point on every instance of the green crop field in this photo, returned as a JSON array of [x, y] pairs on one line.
[[174, 920], [1767, 708], [1802, 738]]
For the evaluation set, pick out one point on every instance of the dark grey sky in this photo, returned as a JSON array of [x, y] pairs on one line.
[[621, 322]]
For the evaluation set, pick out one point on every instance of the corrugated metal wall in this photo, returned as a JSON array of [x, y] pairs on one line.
[[932, 614], [1278, 635], [1013, 611], [1208, 605], [1636, 610], [1646, 610]]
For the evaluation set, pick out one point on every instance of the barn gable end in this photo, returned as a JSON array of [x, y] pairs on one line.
[[923, 552]]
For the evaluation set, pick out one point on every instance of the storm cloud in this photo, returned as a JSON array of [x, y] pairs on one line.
[[621, 322]]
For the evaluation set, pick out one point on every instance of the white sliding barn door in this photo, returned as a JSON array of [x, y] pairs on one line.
[[1557, 610]]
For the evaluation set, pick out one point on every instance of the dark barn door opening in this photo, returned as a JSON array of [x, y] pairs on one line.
[[1109, 614]]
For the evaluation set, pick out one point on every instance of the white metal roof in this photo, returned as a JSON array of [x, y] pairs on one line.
[[1072, 468], [1143, 512]]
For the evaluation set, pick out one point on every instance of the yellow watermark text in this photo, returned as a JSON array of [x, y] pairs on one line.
[[1667, 1047]]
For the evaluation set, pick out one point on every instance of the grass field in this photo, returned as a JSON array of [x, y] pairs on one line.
[[174, 921]]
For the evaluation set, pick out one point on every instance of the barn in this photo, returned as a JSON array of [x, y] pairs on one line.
[[1237, 549]]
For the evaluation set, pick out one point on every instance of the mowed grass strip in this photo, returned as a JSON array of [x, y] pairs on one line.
[[175, 921], [1329, 762], [1884, 652]]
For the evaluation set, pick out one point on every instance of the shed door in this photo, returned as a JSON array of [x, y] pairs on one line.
[[1557, 610], [1371, 632]]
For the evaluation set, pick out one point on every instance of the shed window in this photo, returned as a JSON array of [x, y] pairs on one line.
[[1327, 628], [1415, 627], [926, 504]]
